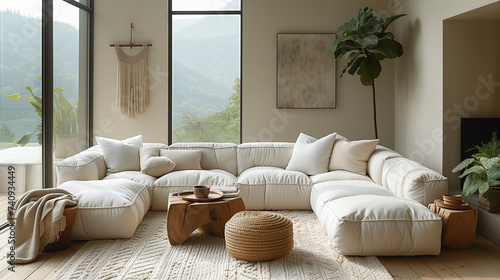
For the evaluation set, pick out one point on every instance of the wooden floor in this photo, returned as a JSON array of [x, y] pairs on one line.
[[482, 261]]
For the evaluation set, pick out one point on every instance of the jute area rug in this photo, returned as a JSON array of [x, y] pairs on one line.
[[149, 255]]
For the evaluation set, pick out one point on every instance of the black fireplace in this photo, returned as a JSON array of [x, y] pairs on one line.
[[473, 131]]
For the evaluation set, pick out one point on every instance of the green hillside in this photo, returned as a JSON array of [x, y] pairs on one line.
[[205, 64], [205, 67]]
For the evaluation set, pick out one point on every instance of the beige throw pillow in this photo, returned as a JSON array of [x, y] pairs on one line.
[[311, 155], [184, 159], [153, 164], [121, 155], [352, 155]]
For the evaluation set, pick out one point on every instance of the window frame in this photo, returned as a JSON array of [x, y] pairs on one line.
[[170, 61], [48, 83]]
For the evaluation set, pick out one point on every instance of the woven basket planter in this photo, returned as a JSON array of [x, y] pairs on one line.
[[486, 205], [258, 236]]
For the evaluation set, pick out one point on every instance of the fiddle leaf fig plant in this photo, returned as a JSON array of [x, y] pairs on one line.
[[367, 42]]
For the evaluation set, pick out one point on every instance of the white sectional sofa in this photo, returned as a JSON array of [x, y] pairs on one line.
[[380, 213]]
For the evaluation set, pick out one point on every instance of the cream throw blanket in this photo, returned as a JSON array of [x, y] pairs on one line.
[[39, 220]]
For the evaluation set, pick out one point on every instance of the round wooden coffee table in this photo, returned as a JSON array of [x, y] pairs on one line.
[[208, 217]]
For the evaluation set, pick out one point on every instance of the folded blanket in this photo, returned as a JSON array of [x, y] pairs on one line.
[[39, 220]]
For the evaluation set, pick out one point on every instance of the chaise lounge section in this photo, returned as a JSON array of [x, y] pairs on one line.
[[380, 212]]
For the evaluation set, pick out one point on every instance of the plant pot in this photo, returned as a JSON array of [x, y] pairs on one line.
[[66, 146], [486, 205]]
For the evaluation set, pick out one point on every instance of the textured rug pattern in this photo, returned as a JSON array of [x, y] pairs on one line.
[[149, 255]]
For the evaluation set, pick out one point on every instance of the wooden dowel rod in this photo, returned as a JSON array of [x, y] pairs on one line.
[[129, 45]]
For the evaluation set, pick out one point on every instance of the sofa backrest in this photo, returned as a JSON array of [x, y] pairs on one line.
[[215, 155], [376, 162], [84, 166], [276, 154]]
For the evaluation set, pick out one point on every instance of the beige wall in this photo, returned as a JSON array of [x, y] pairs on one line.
[[112, 25], [262, 20], [410, 92], [419, 78], [470, 63]]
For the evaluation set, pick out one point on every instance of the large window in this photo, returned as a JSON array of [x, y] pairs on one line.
[[205, 62], [71, 68], [43, 68]]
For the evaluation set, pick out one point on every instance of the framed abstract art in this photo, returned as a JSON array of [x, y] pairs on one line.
[[306, 76]]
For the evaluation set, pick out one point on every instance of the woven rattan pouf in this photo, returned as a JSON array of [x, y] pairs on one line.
[[258, 236]]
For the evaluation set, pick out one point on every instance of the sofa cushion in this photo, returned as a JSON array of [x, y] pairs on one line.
[[381, 225], [178, 181], [107, 209], [322, 193], [275, 154], [121, 155], [339, 175], [265, 188], [191, 178], [184, 160], [363, 218], [152, 163], [352, 155], [311, 155], [409, 179], [134, 176], [215, 155]]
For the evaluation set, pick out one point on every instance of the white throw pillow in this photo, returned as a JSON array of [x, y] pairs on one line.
[[184, 159], [352, 155], [153, 164], [121, 155], [311, 155]]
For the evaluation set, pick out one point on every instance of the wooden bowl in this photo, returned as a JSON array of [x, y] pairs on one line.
[[452, 199]]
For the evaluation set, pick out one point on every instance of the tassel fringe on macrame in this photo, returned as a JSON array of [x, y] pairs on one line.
[[132, 87]]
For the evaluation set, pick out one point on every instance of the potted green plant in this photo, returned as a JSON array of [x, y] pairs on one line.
[[65, 120], [367, 42], [482, 174]]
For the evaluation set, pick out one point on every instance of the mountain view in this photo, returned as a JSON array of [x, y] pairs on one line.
[[206, 69], [20, 65]]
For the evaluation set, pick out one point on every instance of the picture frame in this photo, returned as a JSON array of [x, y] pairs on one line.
[[306, 71]]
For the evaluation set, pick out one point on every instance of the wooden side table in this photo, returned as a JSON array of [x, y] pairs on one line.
[[184, 217], [459, 226]]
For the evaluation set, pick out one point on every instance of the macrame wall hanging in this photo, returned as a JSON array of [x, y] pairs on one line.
[[132, 85]]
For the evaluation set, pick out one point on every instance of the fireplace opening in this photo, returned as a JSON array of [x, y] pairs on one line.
[[474, 131]]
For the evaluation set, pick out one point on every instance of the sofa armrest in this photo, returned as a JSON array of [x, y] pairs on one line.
[[86, 165], [409, 179]]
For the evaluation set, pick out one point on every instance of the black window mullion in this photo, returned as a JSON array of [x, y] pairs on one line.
[[79, 5], [170, 94], [90, 77], [47, 92]]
